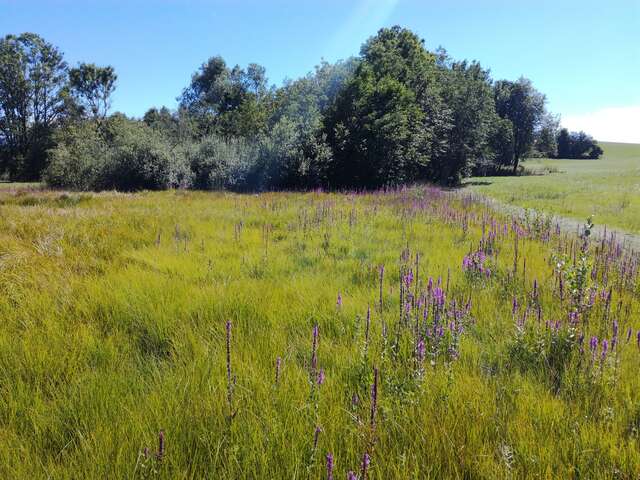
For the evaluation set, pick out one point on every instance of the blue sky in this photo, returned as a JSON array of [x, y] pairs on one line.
[[584, 55]]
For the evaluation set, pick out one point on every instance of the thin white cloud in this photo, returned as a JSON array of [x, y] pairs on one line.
[[613, 124]]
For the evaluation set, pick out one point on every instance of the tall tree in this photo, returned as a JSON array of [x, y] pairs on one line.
[[92, 87], [524, 106], [380, 126], [467, 95], [33, 77], [233, 102], [546, 136]]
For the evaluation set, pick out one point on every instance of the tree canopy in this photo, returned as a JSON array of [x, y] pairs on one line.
[[397, 113]]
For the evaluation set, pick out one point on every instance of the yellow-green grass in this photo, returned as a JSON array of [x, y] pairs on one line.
[[608, 188], [113, 311]]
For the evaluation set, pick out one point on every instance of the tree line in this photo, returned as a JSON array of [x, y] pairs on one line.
[[397, 113]]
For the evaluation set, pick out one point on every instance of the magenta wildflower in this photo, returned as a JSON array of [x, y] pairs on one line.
[[329, 466]]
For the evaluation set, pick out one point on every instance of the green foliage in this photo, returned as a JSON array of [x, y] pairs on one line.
[[33, 76], [467, 94], [217, 163], [380, 133], [577, 145], [122, 154], [524, 106], [231, 102], [394, 115], [92, 87]]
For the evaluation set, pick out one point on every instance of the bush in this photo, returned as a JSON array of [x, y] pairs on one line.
[[76, 161], [218, 163], [120, 154]]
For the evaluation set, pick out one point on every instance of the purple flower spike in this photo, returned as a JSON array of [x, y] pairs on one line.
[[351, 476], [329, 466], [321, 376], [339, 301], [605, 348], [366, 461], [420, 351]]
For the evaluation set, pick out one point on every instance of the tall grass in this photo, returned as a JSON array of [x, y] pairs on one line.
[[193, 335]]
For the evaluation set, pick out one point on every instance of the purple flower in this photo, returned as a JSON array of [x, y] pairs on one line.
[[321, 376], [366, 461], [329, 466], [605, 348], [420, 351], [438, 295], [573, 318], [339, 301], [514, 305], [351, 476]]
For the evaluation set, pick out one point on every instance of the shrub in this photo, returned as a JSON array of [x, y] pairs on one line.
[[218, 163], [119, 154]]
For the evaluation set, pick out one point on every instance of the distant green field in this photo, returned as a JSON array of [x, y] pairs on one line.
[[608, 188]]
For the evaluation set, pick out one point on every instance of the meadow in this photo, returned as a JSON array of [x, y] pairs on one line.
[[398, 334], [608, 188]]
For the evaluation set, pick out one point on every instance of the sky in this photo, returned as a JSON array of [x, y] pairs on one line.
[[583, 54]]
